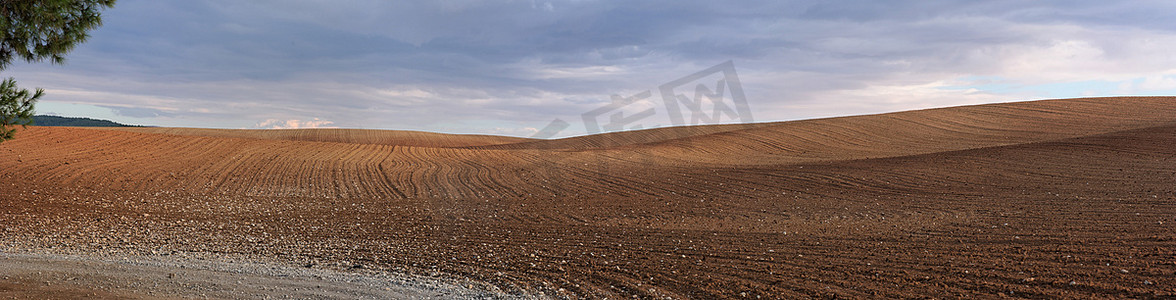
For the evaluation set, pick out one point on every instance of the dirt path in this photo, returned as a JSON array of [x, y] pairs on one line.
[[48, 276]]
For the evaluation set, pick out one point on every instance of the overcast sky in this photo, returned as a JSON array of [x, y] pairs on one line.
[[512, 67]]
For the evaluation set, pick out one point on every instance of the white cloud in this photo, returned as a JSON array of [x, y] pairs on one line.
[[294, 124], [578, 72], [1157, 83], [1061, 53], [526, 131]]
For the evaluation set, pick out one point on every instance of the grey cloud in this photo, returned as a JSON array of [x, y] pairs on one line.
[[410, 64], [137, 112]]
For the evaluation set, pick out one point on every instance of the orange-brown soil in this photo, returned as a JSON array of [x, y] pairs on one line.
[[1059, 198]]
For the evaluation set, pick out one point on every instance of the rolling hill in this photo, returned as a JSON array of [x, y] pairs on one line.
[[1056, 198]]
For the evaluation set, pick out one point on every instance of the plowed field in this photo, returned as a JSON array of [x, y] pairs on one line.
[[1059, 198]]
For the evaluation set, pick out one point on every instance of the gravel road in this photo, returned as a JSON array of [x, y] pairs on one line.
[[40, 275]]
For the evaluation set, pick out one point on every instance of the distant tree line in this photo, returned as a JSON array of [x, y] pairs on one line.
[[41, 120]]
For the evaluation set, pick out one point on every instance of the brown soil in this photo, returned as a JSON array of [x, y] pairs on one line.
[[1061, 198], [352, 136]]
